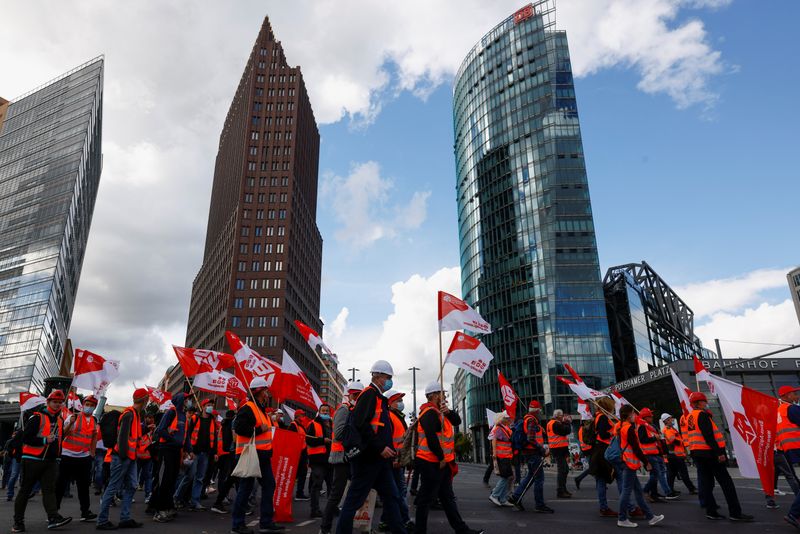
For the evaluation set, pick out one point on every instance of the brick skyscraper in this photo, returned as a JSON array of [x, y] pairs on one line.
[[263, 254]]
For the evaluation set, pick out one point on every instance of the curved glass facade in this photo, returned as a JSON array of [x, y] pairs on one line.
[[528, 252]]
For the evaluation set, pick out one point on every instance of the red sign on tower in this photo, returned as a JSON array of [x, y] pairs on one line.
[[523, 14]]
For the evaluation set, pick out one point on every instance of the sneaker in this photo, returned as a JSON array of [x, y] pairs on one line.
[[197, 508], [57, 521], [9, 498], [20, 527], [147, 499], [241, 530], [219, 509], [410, 527], [655, 498], [772, 505], [495, 500], [271, 528], [161, 517], [714, 516], [608, 512], [672, 496], [106, 525], [789, 518], [88, 516], [779, 492], [507, 503], [656, 519], [130, 523], [172, 513], [744, 518], [543, 509], [627, 524]]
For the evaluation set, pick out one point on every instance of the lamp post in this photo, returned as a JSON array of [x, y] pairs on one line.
[[414, 389]]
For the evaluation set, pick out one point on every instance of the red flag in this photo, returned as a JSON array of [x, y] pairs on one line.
[[584, 411], [311, 336], [683, 393], [579, 387], [294, 384], [250, 364], [28, 401], [230, 403], [220, 383], [194, 361], [92, 371], [455, 314], [74, 402], [162, 398], [286, 447], [469, 354], [508, 396]]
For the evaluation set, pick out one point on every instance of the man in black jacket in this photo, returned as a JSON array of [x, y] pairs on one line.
[[41, 450], [372, 468], [318, 443], [172, 437], [225, 465]]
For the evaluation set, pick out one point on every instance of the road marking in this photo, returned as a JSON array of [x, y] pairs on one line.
[[304, 523], [252, 523]]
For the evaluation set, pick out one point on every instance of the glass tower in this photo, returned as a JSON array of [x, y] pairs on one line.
[[50, 163], [528, 252]]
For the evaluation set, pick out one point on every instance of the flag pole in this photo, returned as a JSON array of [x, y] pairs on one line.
[[327, 370]]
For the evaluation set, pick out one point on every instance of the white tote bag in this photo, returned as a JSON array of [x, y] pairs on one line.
[[248, 465]]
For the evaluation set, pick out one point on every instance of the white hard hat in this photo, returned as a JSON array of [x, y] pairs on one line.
[[392, 393], [665, 416], [355, 386], [258, 382], [433, 387], [382, 366]]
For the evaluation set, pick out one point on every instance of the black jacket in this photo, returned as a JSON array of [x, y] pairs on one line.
[[245, 425], [312, 440], [29, 436], [363, 412], [706, 428]]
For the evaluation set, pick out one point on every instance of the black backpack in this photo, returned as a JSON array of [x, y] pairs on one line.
[[109, 422]]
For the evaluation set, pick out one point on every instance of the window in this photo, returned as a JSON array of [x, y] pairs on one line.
[[257, 106], [262, 182], [251, 302], [284, 197], [274, 181], [251, 165], [276, 302], [245, 214], [280, 248], [251, 322], [268, 248], [253, 284], [271, 214], [254, 135], [240, 283], [267, 265], [245, 231], [262, 322], [277, 283], [272, 197], [248, 340], [260, 214], [264, 302], [262, 65], [258, 231], [248, 197], [271, 230], [278, 265], [281, 230], [251, 182], [242, 248], [254, 266], [236, 321], [242, 266], [281, 214], [257, 248], [262, 52], [260, 78], [238, 303], [260, 342], [261, 198], [259, 91], [254, 151], [273, 322], [265, 283], [273, 341], [255, 120]]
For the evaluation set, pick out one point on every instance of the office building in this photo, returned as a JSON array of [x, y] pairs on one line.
[[793, 277]]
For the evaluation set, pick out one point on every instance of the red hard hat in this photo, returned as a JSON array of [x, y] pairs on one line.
[[207, 401], [645, 412], [56, 394], [784, 390], [697, 396], [535, 404]]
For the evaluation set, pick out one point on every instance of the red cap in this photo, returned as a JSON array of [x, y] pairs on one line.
[[784, 390], [207, 401], [645, 412], [140, 394], [90, 398], [535, 404], [56, 394], [299, 413], [697, 396]]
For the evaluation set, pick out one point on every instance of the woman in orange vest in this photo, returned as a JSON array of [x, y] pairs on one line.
[[77, 455], [650, 441], [502, 454], [584, 432], [676, 454], [633, 458], [558, 428]]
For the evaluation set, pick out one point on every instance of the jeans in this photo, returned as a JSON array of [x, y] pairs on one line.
[[400, 480], [79, 470], [535, 472], [267, 483], [368, 475], [631, 484], [708, 470], [341, 473], [184, 483], [502, 487], [146, 476], [783, 467], [34, 472], [123, 477], [200, 466], [319, 472], [676, 468], [560, 458], [602, 490], [658, 476], [97, 475], [436, 482], [12, 480]]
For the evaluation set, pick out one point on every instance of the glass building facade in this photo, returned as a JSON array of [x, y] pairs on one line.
[[50, 163], [529, 259]]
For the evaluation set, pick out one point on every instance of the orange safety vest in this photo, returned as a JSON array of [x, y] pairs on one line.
[[446, 438], [376, 422], [398, 431], [554, 440], [173, 426], [584, 446], [263, 440], [143, 453], [631, 460], [336, 446], [212, 433], [316, 449], [649, 449], [107, 457], [45, 430], [80, 437], [788, 433], [220, 450], [134, 434], [538, 435], [597, 436], [300, 430], [683, 424], [502, 441], [674, 439], [696, 440]]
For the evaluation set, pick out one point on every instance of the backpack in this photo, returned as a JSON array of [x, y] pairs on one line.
[[589, 434], [613, 454], [409, 450], [109, 422], [519, 438]]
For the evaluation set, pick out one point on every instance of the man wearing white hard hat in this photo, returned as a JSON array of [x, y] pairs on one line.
[[340, 469], [436, 460], [253, 423], [372, 466], [676, 454]]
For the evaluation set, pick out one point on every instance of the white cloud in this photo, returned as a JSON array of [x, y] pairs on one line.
[[731, 294], [362, 205], [339, 325]]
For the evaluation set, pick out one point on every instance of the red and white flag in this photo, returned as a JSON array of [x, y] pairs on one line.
[[288, 411], [317, 401], [29, 401], [74, 402], [579, 387], [469, 354], [251, 364], [683, 393], [220, 383], [313, 339], [160, 397], [508, 396], [195, 361], [752, 422], [619, 401], [231, 405], [584, 411], [455, 314], [702, 373], [294, 384], [93, 372]]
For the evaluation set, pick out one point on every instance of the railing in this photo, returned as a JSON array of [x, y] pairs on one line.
[[101, 57]]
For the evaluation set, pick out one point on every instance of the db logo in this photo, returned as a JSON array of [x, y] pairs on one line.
[[446, 298], [744, 428], [508, 395], [461, 338], [89, 359]]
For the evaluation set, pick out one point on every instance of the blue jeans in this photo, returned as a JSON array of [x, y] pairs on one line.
[[146, 476], [98, 468], [400, 480], [367, 475], [630, 484], [12, 481], [794, 511], [658, 476], [267, 482], [200, 468], [602, 489], [184, 481], [501, 489], [124, 476], [534, 462]]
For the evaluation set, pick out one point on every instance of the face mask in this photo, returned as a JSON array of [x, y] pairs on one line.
[[401, 406], [88, 410], [187, 405], [209, 409], [388, 385], [324, 416]]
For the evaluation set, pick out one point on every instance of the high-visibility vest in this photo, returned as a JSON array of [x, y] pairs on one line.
[[45, 429], [220, 447], [173, 426], [631, 460], [597, 437], [398, 431], [649, 449], [212, 433], [336, 445], [134, 434], [788, 433], [297, 427], [107, 457], [584, 446], [554, 440], [263, 440], [502, 441], [675, 442], [528, 420], [316, 449], [80, 437], [375, 422], [143, 452], [696, 441], [446, 438], [683, 425]]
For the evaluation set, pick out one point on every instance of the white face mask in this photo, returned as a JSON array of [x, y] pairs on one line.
[[88, 410], [209, 409], [400, 406]]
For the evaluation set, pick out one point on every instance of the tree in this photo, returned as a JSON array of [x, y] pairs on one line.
[[463, 445]]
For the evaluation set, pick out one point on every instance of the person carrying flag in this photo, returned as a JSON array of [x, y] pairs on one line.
[[172, 439], [77, 456], [676, 455], [532, 454], [650, 442], [558, 428], [502, 454]]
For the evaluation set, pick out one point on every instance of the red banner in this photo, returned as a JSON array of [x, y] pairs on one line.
[[508, 395], [286, 447]]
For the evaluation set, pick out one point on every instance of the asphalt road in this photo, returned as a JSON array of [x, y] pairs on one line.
[[578, 514]]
